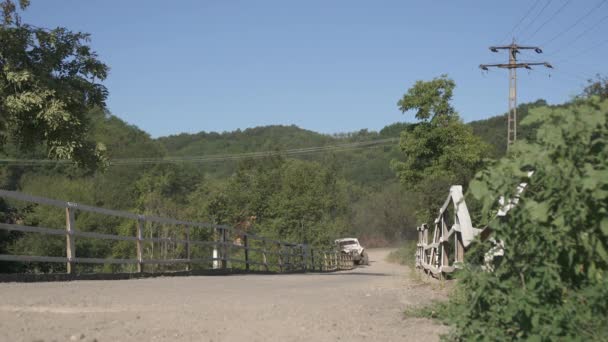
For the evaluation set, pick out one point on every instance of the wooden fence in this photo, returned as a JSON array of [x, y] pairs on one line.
[[443, 252], [251, 252]]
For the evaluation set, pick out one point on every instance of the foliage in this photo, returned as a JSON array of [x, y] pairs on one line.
[[551, 282], [493, 130], [386, 215], [597, 87], [292, 200], [368, 166], [430, 99], [438, 152], [449, 150], [47, 84]]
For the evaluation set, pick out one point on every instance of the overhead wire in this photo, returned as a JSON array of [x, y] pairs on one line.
[[576, 23], [531, 23], [214, 158], [556, 13], [585, 51], [521, 20], [589, 29]]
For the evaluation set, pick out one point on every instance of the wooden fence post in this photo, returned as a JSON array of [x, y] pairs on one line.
[[335, 260], [224, 249], [217, 249], [280, 254], [246, 244], [188, 265], [139, 235], [304, 258], [336, 256], [70, 247], [264, 259], [459, 248], [444, 250]]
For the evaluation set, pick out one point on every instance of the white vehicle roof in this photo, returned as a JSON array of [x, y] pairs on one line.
[[346, 239]]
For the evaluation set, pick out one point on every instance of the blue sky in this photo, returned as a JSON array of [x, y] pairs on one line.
[[328, 66]]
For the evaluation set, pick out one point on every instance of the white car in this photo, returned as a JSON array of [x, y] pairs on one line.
[[353, 247]]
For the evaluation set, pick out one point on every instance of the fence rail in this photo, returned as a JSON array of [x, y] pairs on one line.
[[452, 234], [264, 253]]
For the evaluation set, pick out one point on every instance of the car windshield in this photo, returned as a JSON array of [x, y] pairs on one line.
[[347, 243]]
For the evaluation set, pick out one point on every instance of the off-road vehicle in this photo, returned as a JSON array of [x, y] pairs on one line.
[[351, 246]]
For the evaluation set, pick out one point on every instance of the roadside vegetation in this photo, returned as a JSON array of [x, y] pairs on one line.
[[550, 284]]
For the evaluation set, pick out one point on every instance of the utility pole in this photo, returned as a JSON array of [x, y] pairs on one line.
[[513, 65]]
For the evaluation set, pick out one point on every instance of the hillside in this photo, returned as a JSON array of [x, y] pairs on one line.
[[368, 166], [265, 138], [493, 130]]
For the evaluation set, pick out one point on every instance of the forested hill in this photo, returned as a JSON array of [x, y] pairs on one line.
[[494, 129], [265, 138], [366, 166], [278, 137]]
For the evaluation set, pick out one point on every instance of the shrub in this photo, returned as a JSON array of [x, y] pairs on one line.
[[551, 283]]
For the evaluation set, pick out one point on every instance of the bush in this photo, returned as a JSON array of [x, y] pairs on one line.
[[551, 283]]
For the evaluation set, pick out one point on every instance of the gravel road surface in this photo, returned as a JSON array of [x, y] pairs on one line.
[[365, 304]]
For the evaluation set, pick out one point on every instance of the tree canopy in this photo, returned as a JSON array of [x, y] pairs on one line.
[[430, 99], [49, 79], [440, 150]]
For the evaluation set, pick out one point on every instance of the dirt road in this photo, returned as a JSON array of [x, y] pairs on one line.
[[365, 304]]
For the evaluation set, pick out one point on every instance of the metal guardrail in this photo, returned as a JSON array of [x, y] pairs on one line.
[[288, 256]]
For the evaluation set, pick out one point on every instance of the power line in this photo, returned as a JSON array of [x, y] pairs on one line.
[[576, 22], [536, 17], [564, 78], [590, 28], [550, 18], [581, 76], [520, 21], [214, 158], [585, 51]]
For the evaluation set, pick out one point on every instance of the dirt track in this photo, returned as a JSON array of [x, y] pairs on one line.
[[365, 304]]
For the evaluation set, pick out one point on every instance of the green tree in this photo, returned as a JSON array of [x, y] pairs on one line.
[[384, 216], [597, 87], [551, 283], [440, 150], [293, 200], [430, 99], [48, 81]]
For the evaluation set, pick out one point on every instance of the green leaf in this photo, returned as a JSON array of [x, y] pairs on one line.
[[604, 226], [538, 211]]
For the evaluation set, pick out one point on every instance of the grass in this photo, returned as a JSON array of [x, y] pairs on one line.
[[437, 310]]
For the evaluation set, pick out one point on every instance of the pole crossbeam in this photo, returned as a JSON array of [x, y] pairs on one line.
[[513, 65]]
